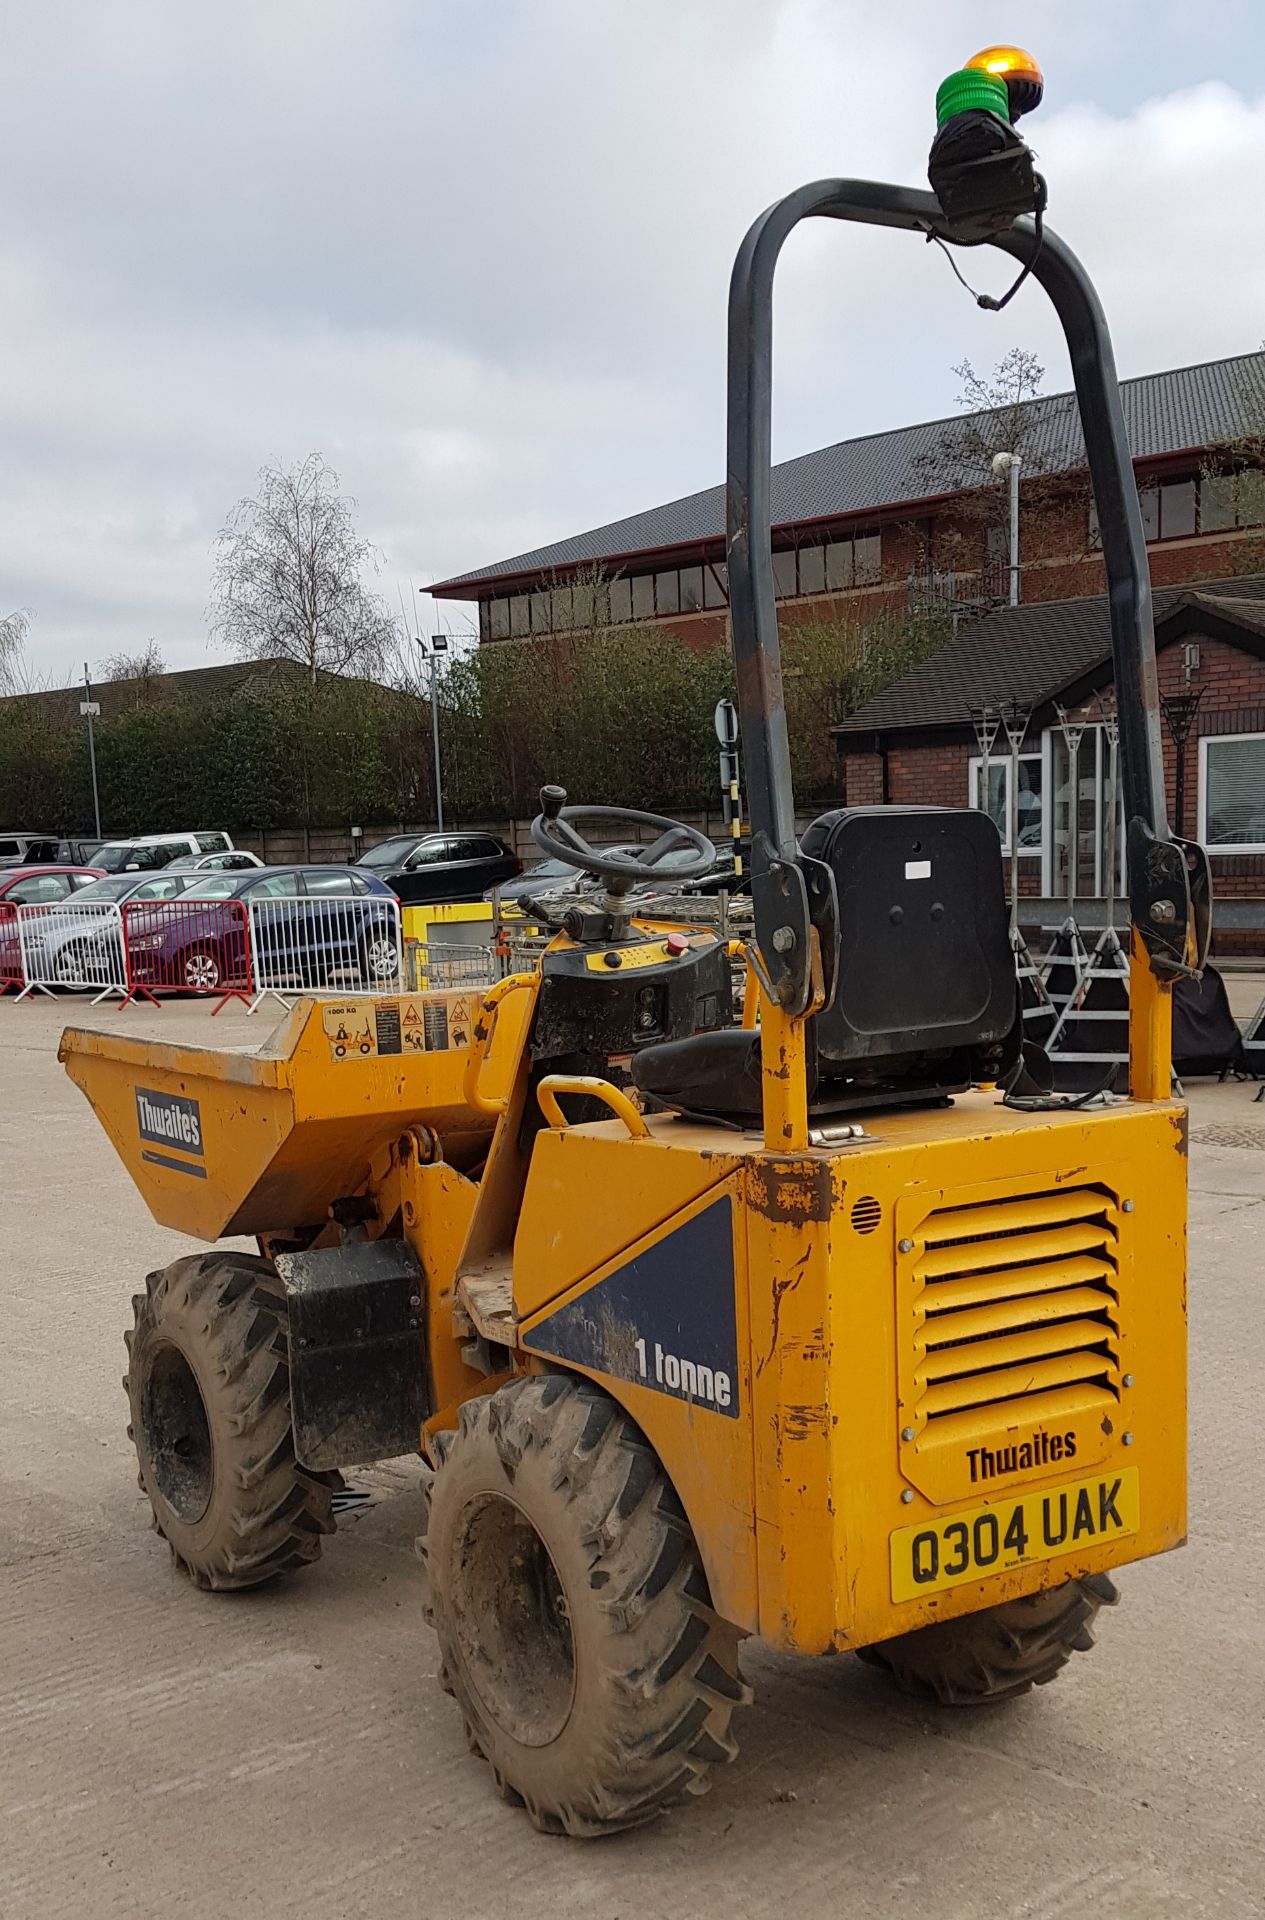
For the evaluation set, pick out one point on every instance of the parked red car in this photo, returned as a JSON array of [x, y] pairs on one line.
[[33, 886]]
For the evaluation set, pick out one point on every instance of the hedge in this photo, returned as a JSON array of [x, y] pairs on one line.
[[619, 717]]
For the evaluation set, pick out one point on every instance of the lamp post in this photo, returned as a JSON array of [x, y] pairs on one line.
[[1008, 465], [438, 645], [90, 709]]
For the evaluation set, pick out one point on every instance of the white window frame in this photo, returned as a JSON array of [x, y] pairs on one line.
[[974, 768], [1227, 849]]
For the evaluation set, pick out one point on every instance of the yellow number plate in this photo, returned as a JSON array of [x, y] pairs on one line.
[[1013, 1533]]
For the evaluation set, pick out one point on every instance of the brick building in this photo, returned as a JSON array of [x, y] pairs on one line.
[[916, 741], [903, 520]]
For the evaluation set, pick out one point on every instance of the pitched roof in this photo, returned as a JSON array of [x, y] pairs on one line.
[[1165, 413], [182, 683], [1035, 653]]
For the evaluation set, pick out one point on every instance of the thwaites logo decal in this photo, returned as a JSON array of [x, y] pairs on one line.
[[170, 1120], [666, 1319]]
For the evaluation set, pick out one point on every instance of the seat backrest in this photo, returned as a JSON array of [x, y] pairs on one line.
[[925, 961]]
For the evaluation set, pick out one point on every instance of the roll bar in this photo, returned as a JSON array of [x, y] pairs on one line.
[[1168, 878]]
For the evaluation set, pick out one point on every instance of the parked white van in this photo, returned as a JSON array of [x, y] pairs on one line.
[[155, 850]]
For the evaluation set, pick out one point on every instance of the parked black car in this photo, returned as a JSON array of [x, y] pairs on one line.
[[425, 869]]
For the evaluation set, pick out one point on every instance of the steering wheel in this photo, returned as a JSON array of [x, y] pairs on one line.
[[555, 832]]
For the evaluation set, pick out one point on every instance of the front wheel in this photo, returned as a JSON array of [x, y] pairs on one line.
[[208, 1386], [574, 1621], [984, 1657], [201, 970]]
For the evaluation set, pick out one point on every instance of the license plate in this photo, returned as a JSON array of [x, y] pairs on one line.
[[1014, 1533]]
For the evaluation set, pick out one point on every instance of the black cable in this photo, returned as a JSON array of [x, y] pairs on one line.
[[1057, 1102], [989, 301]]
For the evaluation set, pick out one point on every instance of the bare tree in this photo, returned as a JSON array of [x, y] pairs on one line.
[[13, 631], [288, 579], [143, 671], [1000, 417]]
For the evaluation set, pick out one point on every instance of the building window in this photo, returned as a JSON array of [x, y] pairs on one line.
[[1177, 510], [1168, 511], [832, 567], [812, 569], [1031, 790], [1228, 500], [838, 565], [621, 601], [867, 560], [845, 563], [1232, 793]]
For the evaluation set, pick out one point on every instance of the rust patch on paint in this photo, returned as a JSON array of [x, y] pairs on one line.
[[801, 1422], [1181, 1127], [791, 1189]]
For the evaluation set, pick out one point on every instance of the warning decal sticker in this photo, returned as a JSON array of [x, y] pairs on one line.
[[386, 1024], [348, 1030]]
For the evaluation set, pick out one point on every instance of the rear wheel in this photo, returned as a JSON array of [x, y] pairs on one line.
[[208, 1386], [984, 1657], [574, 1622]]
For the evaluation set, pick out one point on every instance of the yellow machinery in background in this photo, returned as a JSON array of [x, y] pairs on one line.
[[834, 1329]]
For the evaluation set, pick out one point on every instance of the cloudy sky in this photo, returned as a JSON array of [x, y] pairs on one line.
[[476, 252]]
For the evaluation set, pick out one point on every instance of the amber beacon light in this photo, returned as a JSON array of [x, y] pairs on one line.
[[1024, 80]]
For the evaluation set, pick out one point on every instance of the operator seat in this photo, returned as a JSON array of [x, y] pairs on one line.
[[926, 998]]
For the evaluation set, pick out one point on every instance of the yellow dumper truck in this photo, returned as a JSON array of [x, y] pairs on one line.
[[824, 1323]]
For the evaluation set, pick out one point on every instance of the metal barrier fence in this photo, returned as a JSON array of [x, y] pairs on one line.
[[11, 974], [431, 964], [72, 943], [187, 946], [325, 943]]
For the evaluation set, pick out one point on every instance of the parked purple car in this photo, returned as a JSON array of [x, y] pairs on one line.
[[315, 928]]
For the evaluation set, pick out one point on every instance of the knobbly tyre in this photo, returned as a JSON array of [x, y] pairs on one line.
[[800, 1330]]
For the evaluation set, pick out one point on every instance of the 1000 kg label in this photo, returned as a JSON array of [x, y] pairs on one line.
[[1013, 1533]]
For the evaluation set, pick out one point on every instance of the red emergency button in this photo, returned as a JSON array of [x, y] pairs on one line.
[[677, 943]]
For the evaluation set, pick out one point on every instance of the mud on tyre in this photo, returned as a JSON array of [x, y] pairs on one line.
[[575, 1626], [208, 1387], [1000, 1652]]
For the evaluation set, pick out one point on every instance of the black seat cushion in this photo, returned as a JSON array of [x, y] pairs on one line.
[[710, 1073]]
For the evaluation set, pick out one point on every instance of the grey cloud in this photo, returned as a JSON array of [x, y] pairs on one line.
[[477, 253]]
